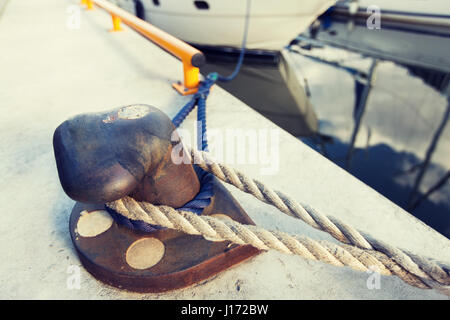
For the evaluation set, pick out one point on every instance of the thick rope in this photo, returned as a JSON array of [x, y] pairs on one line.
[[423, 268], [214, 229]]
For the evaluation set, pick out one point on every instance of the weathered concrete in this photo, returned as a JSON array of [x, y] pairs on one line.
[[49, 72]]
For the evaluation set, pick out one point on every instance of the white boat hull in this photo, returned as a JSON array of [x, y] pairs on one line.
[[273, 24]]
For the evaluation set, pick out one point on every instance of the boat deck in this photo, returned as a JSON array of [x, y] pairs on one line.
[[49, 72]]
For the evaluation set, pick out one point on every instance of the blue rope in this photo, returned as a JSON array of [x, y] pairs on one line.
[[202, 139], [203, 197], [183, 113]]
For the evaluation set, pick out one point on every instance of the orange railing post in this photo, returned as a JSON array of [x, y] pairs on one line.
[[116, 23], [191, 58], [89, 5]]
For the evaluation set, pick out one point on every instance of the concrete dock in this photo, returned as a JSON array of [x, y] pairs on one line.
[[51, 68]]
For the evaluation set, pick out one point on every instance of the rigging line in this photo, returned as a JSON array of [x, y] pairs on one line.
[[242, 53], [429, 153], [438, 185]]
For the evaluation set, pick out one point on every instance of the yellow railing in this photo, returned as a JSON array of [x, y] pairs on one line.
[[191, 58]]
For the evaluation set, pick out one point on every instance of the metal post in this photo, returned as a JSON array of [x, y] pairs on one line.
[[192, 58], [116, 24]]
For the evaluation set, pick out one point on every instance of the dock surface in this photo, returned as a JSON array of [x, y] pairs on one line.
[[50, 71]]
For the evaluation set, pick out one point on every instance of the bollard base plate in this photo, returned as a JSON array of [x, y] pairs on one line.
[[158, 261]]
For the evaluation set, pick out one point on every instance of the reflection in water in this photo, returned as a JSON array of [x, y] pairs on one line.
[[270, 86], [402, 145], [387, 171]]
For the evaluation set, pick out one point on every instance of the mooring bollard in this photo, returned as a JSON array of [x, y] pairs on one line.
[[102, 157]]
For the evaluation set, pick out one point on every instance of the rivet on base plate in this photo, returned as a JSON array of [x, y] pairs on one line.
[[91, 224], [145, 253]]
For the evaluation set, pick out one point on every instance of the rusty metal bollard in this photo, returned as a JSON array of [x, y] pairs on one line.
[[103, 157]]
